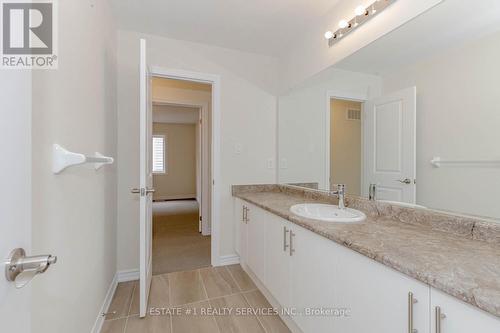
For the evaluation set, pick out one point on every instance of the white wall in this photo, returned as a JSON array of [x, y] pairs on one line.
[[175, 114], [74, 213], [309, 54], [248, 117], [458, 117], [302, 123], [179, 180]]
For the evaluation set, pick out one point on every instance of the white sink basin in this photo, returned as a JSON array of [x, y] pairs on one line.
[[328, 213]]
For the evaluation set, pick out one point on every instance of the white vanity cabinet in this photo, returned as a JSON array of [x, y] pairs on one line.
[[459, 317], [378, 297], [255, 220], [307, 272], [277, 258]]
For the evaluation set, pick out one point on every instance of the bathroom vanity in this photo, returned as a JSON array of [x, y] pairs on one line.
[[400, 270]]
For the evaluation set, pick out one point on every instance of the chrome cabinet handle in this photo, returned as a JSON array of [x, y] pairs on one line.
[[246, 214], [292, 250], [406, 181], [243, 213], [438, 318], [285, 245], [411, 300]]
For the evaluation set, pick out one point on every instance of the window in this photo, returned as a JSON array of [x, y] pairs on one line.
[[159, 154]]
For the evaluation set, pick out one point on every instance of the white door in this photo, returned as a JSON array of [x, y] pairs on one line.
[[15, 200], [390, 146], [146, 181], [459, 317]]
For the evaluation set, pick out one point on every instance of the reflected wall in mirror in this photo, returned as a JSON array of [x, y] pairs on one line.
[[419, 98]]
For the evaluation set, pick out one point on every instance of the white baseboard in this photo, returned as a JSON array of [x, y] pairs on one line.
[[105, 305], [174, 197], [230, 259], [127, 275]]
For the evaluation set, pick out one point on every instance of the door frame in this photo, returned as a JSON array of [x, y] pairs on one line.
[[202, 179], [346, 96], [214, 81]]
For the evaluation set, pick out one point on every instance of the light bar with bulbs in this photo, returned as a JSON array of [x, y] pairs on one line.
[[362, 15]]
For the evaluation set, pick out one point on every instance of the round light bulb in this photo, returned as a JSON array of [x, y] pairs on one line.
[[360, 10], [343, 24], [328, 35]]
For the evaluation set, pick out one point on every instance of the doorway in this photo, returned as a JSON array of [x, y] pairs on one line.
[[346, 160], [181, 175]]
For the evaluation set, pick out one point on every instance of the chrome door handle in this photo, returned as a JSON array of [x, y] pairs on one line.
[[438, 318], [411, 300], [18, 264], [150, 190], [135, 190], [285, 232], [405, 181]]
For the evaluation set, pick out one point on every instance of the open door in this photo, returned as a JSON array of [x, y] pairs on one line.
[[15, 212], [390, 146], [146, 181]]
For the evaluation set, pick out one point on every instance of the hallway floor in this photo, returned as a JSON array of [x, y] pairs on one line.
[[194, 301], [177, 244]]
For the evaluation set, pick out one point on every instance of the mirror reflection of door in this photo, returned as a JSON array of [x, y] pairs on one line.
[[345, 144]]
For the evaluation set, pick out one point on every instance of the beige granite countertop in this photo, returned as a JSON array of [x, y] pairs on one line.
[[440, 250]]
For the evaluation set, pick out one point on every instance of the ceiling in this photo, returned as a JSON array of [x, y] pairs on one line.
[[259, 26], [453, 22]]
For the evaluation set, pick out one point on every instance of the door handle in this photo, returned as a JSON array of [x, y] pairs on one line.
[[406, 181], [26, 268], [135, 191], [150, 190]]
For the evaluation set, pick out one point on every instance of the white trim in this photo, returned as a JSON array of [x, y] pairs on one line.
[[214, 80], [105, 305], [229, 259], [127, 275], [346, 96]]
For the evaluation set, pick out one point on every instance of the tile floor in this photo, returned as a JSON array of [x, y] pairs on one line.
[[215, 288]]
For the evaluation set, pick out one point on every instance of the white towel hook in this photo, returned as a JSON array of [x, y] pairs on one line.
[[62, 158]]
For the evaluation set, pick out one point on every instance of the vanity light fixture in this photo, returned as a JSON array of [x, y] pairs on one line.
[[362, 15]]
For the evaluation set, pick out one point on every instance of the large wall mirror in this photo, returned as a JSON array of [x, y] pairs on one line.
[[409, 118]]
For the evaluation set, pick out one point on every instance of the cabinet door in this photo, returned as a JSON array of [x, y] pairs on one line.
[[460, 317], [241, 230], [312, 280], [256, 233], [277, 258], [377, 296]]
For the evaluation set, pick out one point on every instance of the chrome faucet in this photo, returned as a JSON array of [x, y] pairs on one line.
[[340, 193]]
